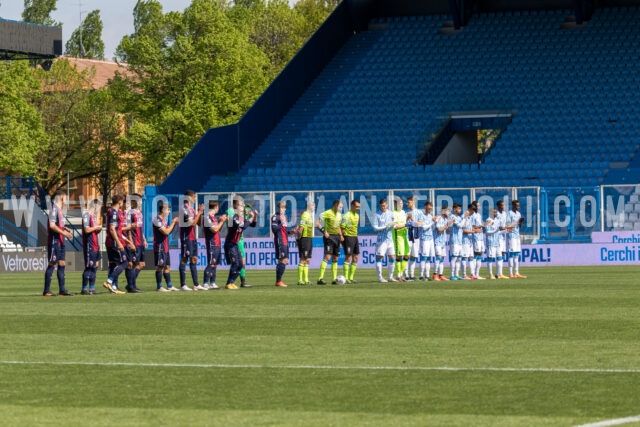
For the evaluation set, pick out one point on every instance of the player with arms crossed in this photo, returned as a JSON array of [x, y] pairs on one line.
[[329, 226], [427, 247], [212, 226], [349, 225], [90, 247], [56, 232], [161, 231], [305, 242], [514, 222], [384, 242]]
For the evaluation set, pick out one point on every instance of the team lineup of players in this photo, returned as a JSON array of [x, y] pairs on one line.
[[406, 238]]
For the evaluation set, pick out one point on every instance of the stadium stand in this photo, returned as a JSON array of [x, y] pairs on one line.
[[573, 95]]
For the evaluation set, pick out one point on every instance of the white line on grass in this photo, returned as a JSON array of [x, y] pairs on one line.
[[326, 367], [615, 422]]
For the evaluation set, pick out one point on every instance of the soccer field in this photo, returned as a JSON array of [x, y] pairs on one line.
[[559, 348]]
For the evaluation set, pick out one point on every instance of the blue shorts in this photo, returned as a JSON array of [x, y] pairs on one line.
[[131, 255], [56, 253], [282, 251], [92, 259], [189, 248], [162, 259], [140, 253], [213, 255], [232, 254], [115, 256]]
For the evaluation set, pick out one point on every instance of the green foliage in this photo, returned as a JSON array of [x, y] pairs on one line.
[[21, 130], [39, 11], [192, 71], [86, 40]]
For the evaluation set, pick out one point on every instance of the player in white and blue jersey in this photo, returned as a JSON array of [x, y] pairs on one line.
[[427, 248], [455, 242], [414, 228], [514, 222], [440, 243], [478, 241], [501, 219], [385, 222], [467, 244], [493, 242]]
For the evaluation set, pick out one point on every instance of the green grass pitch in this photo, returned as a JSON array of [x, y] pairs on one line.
[[559, 348]]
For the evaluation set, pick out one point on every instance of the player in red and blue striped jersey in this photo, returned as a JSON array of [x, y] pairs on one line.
[[281, 241], [161, 231], [90, 246], [56, 232], [135, 224], [234, 234], [212, 226], [116, 241], [189, 219]]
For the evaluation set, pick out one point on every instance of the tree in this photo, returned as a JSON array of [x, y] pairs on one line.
[[21, 129], [81, 125], [86, 40], [192, 71], [39, 11]]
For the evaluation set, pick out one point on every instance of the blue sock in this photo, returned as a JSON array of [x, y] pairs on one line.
[[183, 274], [48, 274], [167, 278], [158, 279], [61, 277], [194, 273], [92, 279], [280, 268]]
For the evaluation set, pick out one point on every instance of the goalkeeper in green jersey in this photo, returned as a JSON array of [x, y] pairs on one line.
[[305, 242], [349, 225], [237, 204], [400, 240]]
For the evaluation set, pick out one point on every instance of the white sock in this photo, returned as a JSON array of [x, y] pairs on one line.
[[427, 268], [516, 265], [391, 266], [499, 265], [442, 268], [437, 266], [478, 267], [379, 268], [472, 266], [490, 267], [510, 265], [412, 267]]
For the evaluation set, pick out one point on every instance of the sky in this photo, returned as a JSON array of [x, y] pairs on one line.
[[117, 17]]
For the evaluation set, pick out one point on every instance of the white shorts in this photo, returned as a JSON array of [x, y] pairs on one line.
[[441, 251], [427, 249], [455, 250], [514, 245], [414, 249], [478, 246], [386, 248], [493, 252], [503, 245], [467, 250]]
